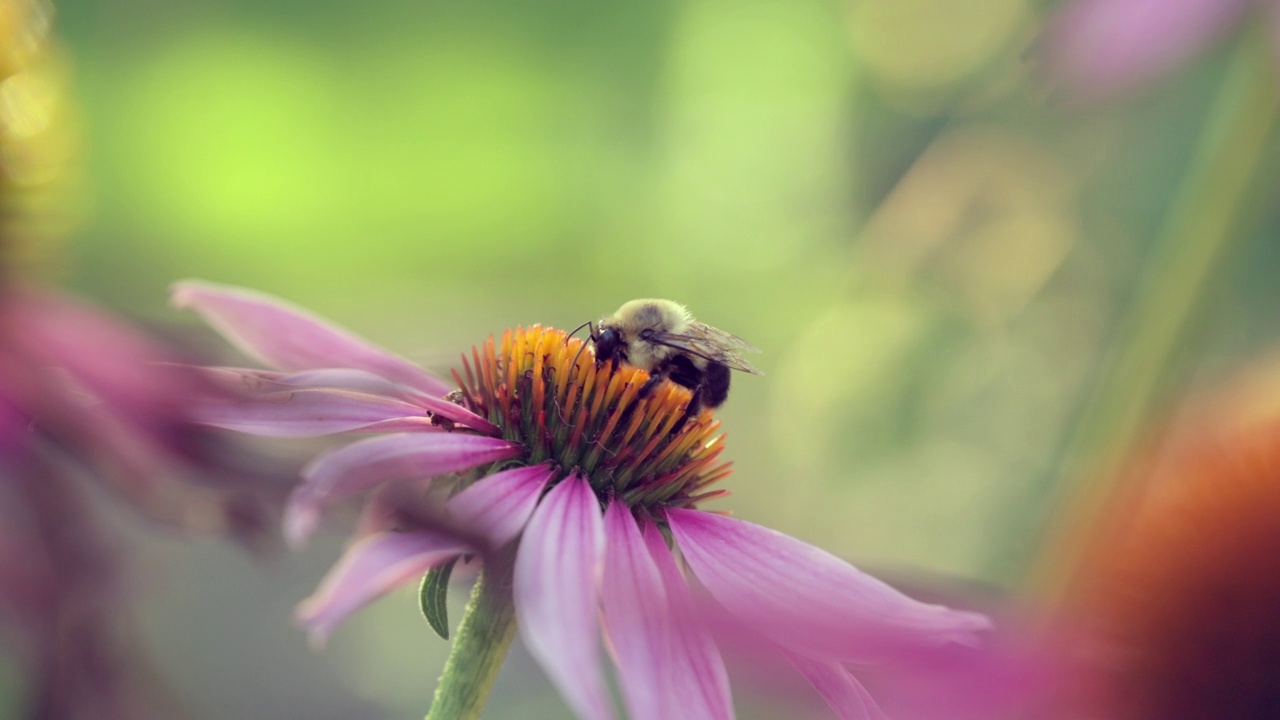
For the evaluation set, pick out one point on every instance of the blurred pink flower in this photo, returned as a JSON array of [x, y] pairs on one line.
[[1102, 48], [62, 590], [82, 391], [1171, 609], [87, 400], [544, 447]]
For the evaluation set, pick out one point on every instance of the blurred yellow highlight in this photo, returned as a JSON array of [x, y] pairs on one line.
[[989, 215], [913, 45]]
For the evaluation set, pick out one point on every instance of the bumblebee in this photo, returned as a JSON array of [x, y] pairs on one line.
[[662, 338]]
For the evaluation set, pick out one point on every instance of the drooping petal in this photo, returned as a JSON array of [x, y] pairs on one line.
[[637, 619], [556, 587], [842, 691], [498, 506], [1099, 48], [806, 599], [699, 682], [371, 567], [304, 413], [254, 381], [268, 384], [357, 467], [290, 338]]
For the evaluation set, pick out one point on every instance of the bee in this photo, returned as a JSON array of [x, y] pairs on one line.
[[662, 338]]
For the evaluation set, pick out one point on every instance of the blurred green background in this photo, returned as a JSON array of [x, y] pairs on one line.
[[885, 196]]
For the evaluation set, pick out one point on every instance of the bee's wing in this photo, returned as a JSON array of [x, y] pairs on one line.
[[713, 344]]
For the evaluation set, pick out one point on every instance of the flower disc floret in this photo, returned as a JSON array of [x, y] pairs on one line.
[[546, 391]]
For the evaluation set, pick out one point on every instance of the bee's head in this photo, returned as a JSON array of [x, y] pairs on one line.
[[609, 344]]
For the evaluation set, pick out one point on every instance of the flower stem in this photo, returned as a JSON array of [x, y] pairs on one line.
[[1207, 220], [487, 628]]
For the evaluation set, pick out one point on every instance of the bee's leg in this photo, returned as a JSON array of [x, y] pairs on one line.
[[691, 410], [650, 385]]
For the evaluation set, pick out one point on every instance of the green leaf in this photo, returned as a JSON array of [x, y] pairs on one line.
[[433, 597]]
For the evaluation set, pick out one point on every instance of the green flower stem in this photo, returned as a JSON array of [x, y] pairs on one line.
[[1207, 220], [487, 628]]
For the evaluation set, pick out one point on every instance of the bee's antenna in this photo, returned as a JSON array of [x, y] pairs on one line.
[[591, 332], [575, 330]]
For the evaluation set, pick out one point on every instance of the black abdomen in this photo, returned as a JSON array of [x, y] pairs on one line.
[[715, 385], [710, 385]]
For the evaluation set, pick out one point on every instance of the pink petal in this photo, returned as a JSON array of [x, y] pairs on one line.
[[373, 566], [806, 599], [103, 356], [556, 577], [254, 381], [1100, 48], [15, 426], [362, 381], [247, 381], [305, 413], [698, 680], [285, 336], [842, 691], [499, 506], [637, 619], [357, 467], [458, 414]]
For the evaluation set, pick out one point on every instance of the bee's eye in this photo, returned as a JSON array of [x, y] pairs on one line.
[[646, 334]]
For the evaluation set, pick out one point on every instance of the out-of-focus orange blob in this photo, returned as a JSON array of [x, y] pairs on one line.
[[1182, 590]]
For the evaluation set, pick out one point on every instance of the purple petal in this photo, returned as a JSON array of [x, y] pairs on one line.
[[698, 680], [362, 381], [305, 413], [110, 360], [806, 599], [371, 567], [254, 381], [1100, 48], [266, 382], [637, 619], [556, 590], [458, 414], [357, 467], [842, 691], [285, 336], [499, 506]]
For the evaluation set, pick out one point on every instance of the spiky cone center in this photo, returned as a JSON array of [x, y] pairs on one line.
[[546, 391]]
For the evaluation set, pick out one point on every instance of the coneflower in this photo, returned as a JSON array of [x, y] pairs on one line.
[[579, 494], [1181, 595]]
